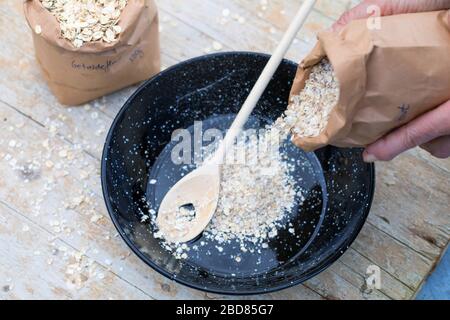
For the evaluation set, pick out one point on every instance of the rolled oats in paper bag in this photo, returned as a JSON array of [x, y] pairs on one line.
[[97, 61], [387, 77]]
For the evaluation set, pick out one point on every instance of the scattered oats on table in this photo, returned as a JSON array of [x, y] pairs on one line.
[[83, 21]]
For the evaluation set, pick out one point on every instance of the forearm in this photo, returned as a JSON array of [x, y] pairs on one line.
[[389, 7]]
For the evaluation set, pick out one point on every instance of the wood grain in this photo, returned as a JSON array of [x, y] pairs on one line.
[[50, 185]]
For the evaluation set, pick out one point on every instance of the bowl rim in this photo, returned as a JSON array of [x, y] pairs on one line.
[[325, 263]]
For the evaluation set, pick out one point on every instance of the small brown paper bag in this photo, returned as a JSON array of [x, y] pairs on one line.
[[77, 75], [387, 76]]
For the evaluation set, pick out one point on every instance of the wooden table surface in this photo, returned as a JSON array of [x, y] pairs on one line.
[[56, 239]]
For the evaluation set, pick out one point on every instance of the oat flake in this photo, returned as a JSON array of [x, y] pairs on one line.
[[83, 21]]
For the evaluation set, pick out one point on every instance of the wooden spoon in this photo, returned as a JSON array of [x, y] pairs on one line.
[[189, 206]]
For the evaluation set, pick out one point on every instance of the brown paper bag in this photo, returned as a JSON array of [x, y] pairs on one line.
[[77, 75], [387, 77]]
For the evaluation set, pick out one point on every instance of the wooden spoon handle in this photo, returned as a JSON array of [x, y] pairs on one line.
[[264, 78]]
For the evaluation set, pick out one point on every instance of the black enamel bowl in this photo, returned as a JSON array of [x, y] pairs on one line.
[[211, 89]]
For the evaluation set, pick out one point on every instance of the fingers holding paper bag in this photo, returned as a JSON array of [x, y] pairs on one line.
[[431, 130], [387, 77]]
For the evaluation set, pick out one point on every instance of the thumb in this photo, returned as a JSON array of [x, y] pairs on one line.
[[423, 129]]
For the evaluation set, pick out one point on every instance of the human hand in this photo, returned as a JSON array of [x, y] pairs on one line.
[[387, 8], [430, 131]]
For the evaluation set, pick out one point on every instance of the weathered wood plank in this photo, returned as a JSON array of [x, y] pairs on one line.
[[443, 164], [280, 13], [404, 248], [390, 286], [22, 85], [392, 256], [26, 253], [411, 203], [245, 32], [57, 198], [341, 282], [179, 41]]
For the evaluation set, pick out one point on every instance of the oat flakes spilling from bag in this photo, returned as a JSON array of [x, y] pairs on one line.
[[84, 21], [308, 114]]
